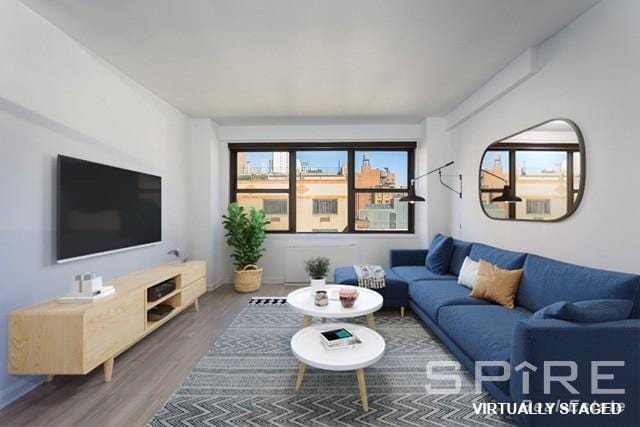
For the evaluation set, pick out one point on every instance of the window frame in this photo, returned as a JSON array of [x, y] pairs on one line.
[[350, 147]]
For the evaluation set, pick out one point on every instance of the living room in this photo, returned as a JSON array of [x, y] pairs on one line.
[[280, 212]]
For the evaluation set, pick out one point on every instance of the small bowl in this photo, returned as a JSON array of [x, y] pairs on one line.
[[348, 297]]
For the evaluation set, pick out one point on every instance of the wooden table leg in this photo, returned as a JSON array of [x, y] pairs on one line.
[[50, 378], [108, 370], [402, 311], [371, 321], [307, 321], [301, 368], [362, 385], [196, 305]]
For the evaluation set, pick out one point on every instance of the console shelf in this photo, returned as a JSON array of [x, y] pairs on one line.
[[70, 339]]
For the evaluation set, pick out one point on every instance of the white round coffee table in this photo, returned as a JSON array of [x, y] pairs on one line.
[[307, 347], [368, 302]]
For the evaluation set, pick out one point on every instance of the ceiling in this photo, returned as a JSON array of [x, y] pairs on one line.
[[310, 61]]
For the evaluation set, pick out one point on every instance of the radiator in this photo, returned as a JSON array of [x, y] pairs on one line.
[[339, 255]]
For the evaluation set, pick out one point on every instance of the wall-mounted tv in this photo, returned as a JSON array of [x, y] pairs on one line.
[[104, 208]]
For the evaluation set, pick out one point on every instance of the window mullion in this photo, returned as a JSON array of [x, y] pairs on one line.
[[292, 192], [351, 185]]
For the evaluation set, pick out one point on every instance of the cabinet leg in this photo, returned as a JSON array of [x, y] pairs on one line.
[[301, 368], [371, 321], [196, 305], [307, 321], [108, 370], [402, 311], [362, 386], [50, 378]]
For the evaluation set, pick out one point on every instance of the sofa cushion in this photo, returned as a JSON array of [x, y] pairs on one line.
[[483, 332], [431, 295], [546, 281], [460, 251], [507, 260], [591, 311], [439, 255], [395, 292], [411, 273]]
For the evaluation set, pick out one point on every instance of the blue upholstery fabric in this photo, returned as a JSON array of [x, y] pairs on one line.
[[395, 293], [596, 310], [431, 295], [545, 281], [412, 273], [439, 256], [460, 251], [504, 259], [483, 332], [537, 341], [400, 257]]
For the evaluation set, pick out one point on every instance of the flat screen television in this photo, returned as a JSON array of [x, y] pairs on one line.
[[104, 208]]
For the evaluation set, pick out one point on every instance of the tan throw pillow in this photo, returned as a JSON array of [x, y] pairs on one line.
[[496, 285]]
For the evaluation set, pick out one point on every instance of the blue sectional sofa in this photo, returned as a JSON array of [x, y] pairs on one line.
[[477, 330]]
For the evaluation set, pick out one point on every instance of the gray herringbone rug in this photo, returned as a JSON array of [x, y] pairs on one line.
[[248, 376]]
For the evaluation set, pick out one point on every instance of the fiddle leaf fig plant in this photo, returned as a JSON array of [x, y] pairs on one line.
[[245, 234]]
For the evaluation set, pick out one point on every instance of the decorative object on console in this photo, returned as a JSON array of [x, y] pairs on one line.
[[537, 174], [348, 297], [496, 285], [86, 288], [370, 276], [468, 273], [177, 257], [245, 234], [321, 299], [412, 197], [317, 268]]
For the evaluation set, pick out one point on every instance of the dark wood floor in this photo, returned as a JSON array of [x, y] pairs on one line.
[[144, 377]]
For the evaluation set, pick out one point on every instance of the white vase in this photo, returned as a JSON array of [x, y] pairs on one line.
[[317, 284]]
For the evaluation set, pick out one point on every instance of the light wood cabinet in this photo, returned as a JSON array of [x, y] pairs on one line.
[[57, 339]]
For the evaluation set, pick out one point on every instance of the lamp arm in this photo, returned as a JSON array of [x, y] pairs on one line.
[[459, 193], [495, 175], [432, 171]]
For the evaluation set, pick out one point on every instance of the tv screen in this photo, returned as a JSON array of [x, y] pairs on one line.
[[103, 208]]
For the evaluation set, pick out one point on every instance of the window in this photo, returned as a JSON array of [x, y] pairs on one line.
[[325, 206], [539, 207], [275, 207], [325, 188]]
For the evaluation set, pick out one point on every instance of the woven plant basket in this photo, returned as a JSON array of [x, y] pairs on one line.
[[248, 279]]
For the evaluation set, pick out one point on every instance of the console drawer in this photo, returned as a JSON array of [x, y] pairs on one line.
[[193, 291]]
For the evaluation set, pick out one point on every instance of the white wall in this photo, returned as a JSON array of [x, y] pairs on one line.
[[590, 74], [373, 248], [57, 98]]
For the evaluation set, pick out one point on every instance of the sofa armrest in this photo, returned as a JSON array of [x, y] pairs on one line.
[[399, 257], [608, 344]]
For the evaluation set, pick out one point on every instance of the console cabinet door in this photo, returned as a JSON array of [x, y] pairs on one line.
[[112, 326]]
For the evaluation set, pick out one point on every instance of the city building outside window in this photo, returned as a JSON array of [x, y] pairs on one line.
[[326, 188]]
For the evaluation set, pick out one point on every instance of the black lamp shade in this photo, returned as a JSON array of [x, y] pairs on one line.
[[412, 197], [507, 196]]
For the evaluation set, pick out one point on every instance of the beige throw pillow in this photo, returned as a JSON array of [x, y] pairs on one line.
[[496, 285]]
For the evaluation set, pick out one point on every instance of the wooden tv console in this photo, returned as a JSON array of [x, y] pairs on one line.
[[69, 339]]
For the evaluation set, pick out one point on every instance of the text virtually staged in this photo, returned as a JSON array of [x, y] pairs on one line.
[[320, 213]]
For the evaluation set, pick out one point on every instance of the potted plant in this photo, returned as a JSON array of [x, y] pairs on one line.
[[317, 269], [245, 234]]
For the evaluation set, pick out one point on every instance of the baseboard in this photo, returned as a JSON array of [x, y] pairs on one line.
[[20, 388], [214, 285]]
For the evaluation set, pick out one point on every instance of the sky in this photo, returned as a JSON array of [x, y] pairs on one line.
[[534, 162], [396, 161]]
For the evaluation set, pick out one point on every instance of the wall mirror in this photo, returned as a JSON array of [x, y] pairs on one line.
[[537, 174]]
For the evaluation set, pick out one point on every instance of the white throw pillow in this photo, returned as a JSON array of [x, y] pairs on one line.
[[468, 273]]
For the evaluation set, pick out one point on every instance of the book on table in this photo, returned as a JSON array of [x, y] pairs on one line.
[[336, 339]]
